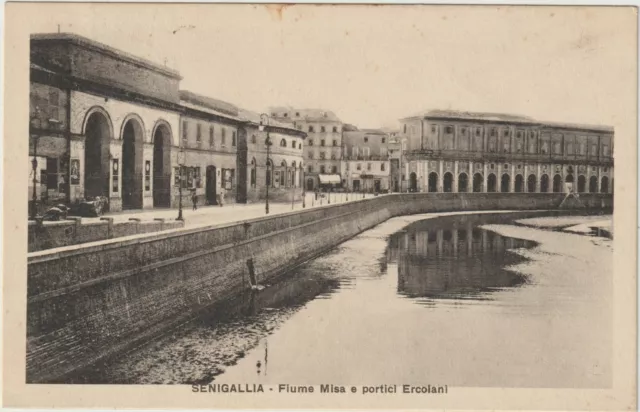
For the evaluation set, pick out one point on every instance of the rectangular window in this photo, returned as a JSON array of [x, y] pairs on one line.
[[382, 167], [310, 168], [335, 143], [334, 169], [185, 131], [368, 166], [605, 150], [594, 149], [322, 155], [433, 129], [322, 169], [448, 129], [384, 140], [310, 142], [198, 133], [223, 139], [233, 138], [293, 144], [359, 166], [347, 166], [211, 136], [54, 104], [322, 142]]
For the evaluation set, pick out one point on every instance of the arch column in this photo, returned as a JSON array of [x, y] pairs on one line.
[[599, 179], [538, 177], [485, 178], [525, 178], [440, 176], [115, 196], [147, 194], [455, 177], [512, 180]]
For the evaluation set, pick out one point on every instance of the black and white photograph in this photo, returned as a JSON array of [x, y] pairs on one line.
[[374, 206]]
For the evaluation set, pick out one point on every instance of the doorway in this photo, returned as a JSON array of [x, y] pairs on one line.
[[162, 167], [462, 182], [477, 183], [433, 182], [413, 182], [211, 185], [132, 165]]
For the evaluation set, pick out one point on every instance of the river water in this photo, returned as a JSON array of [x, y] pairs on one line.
[[407, 302]]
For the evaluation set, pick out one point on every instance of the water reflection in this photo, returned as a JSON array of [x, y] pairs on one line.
[[460, 261]]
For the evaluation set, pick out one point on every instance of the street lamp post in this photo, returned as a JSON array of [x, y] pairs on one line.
[[264, 123], [304, 193], [181, 162]]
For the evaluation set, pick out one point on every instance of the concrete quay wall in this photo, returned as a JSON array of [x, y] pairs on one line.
[[90, 301]]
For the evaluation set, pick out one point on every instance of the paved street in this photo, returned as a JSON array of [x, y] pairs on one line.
[[228, 213]]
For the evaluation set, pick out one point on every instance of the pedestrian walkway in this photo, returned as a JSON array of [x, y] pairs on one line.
[[207, 215]]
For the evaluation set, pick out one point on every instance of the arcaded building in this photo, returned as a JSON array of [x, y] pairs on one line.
[[323, 145], [451, 151]]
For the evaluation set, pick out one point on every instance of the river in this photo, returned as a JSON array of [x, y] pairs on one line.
[[410, 301]]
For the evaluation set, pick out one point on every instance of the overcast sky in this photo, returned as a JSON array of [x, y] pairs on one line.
[[372, 65]]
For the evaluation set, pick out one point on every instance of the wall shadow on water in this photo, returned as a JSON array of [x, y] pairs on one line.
[[452, 258]]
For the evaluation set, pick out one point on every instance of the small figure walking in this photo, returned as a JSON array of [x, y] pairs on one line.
[[194, 199], [222, 190]]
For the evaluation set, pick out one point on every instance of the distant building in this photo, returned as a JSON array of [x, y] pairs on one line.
[[323, 149], [365, 160], [451, 151], [286, 159]]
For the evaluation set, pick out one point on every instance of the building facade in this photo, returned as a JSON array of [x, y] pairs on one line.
[[323, 149], [209, 140], [106, 124], [281, 168], [365, 160], [449, 151]]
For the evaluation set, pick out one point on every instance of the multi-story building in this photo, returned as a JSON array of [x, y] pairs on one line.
[[365, 160], [450, 151], [98, 116], [209, 140], [283, 171], [104, 123], [323, 149]]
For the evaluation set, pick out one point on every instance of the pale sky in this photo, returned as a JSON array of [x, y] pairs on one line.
[[372, 65]]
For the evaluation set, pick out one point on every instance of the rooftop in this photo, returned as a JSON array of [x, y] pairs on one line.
[[209, 103], [254, 117], [105, 49], [317, 115], [504, 117]]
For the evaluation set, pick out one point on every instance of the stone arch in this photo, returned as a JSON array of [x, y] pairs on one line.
[[505, 182], [162, 139], [544, 183], [137, 118], [557, 183], [604, 184], [491, 183], [463, 182], [433, 182], [477, 182], [447, 182], [98, 131], [582, 184], [531, 183], [519, 184], [593, 184], [133, 138], [413, 182]]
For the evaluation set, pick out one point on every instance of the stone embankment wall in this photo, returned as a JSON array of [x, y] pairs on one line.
[[90, 301], [48, 235]]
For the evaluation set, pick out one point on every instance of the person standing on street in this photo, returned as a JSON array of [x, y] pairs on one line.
[[194, 199]]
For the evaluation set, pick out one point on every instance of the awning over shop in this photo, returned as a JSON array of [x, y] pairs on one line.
[[329, 179]]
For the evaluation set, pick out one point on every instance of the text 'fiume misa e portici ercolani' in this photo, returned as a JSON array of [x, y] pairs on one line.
[[324, 389]]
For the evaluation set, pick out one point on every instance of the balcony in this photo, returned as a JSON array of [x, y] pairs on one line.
[[365, 158]]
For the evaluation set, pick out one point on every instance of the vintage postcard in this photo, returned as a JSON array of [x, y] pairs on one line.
[[308, 206]]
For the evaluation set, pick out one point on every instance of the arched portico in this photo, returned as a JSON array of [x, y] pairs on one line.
[[505, 181], [463, 182], [433, 182], [531, 183], [519, 184], [447, 184], [557, 184], [132, 158], [98, 132], [491, 183], [582, 184], [162, 138]]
